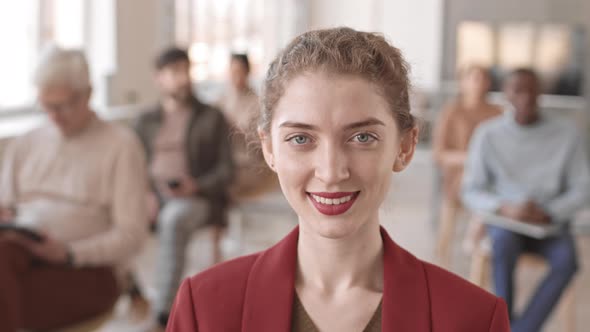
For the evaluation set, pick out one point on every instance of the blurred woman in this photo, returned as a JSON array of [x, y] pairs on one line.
[[456, 124], [240, 104]]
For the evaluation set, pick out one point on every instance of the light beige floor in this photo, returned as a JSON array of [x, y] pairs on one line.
[[405, 215]]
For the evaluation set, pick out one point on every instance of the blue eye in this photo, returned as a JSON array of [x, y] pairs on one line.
[[364, 138], [299, 140]]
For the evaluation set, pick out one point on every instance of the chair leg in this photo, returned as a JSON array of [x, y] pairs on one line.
[[233, 243], [479, 269], [446, 233], [139, 308], [216, 235], [567, 310]]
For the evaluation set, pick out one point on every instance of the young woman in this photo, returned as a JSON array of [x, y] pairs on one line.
[[457, 122], [334, 126], [240, 105]]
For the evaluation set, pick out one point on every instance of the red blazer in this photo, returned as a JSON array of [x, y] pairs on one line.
[[255, 294]]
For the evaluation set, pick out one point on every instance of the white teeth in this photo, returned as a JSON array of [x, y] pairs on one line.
[[331, 201]]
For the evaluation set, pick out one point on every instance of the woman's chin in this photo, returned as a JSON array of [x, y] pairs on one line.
[[334, 228]]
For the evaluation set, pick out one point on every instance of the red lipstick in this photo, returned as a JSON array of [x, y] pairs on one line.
[[333, 203]]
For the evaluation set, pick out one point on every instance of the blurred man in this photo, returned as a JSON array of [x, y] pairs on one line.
[[79, 183], [190, 165], [535, 169]]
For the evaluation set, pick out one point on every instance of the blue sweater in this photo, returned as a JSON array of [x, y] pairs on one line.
[[546, 162]]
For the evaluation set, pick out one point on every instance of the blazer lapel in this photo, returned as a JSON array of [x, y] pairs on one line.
[[406, 302], [270, 288]]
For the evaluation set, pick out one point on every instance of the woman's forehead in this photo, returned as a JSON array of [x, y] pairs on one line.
[[330, 99]]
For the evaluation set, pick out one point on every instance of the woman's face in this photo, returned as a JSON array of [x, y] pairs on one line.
[[238, 74], [475, 83], [334, 144]]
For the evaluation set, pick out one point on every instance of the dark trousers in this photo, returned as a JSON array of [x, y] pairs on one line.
[[559, 252], [38, 296]]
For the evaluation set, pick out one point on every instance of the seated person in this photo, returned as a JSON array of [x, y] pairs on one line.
[[190, 166], [240, 105], [79, 182], [455, 126], [530, 167]]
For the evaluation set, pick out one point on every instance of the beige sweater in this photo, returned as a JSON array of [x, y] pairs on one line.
[[87, 190], [452, 135]]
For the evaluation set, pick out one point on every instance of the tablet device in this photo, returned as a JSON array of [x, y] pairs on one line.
[[537, 231], [26, 232]]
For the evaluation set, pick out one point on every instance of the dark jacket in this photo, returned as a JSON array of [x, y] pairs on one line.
[[208, 152], [255, 294]]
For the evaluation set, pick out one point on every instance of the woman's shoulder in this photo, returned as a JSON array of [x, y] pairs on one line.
[[455, 300], [215, 295], [441, 282]]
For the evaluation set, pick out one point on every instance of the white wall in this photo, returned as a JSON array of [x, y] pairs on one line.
[[416, 28], [123, 37], [354, 14], [100, 48], [539, 11], [425, 30], [413, 26], [137, 42]]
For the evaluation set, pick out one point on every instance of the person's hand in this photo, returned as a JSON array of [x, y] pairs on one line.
[[513, 211], [187, 187], [153, 206], [536, 214], [6, 214], [48, 250], [528, 212]]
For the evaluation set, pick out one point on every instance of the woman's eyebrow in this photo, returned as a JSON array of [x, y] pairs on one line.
[[299, 125], [364, 123], [354, 125]]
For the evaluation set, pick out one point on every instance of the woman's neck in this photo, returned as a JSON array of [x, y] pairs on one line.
[[473, 102], [333, 265]]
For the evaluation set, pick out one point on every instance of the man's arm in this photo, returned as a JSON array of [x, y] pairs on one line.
[[8, 185], [218, 179], [128, 211], [477, 178], [576, 179]]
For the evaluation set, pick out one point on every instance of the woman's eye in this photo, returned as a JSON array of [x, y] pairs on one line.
[[299, 140], [364, 138]]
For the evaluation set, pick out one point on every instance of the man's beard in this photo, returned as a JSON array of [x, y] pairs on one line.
[[182, 96]]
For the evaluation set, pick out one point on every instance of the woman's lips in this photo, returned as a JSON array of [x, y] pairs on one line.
[[333, 203]]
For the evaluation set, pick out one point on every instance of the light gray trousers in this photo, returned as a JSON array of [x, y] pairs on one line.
[[178, 219]]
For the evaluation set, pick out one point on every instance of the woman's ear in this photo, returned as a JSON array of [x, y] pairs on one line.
[[266, 145], [408, 144]]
